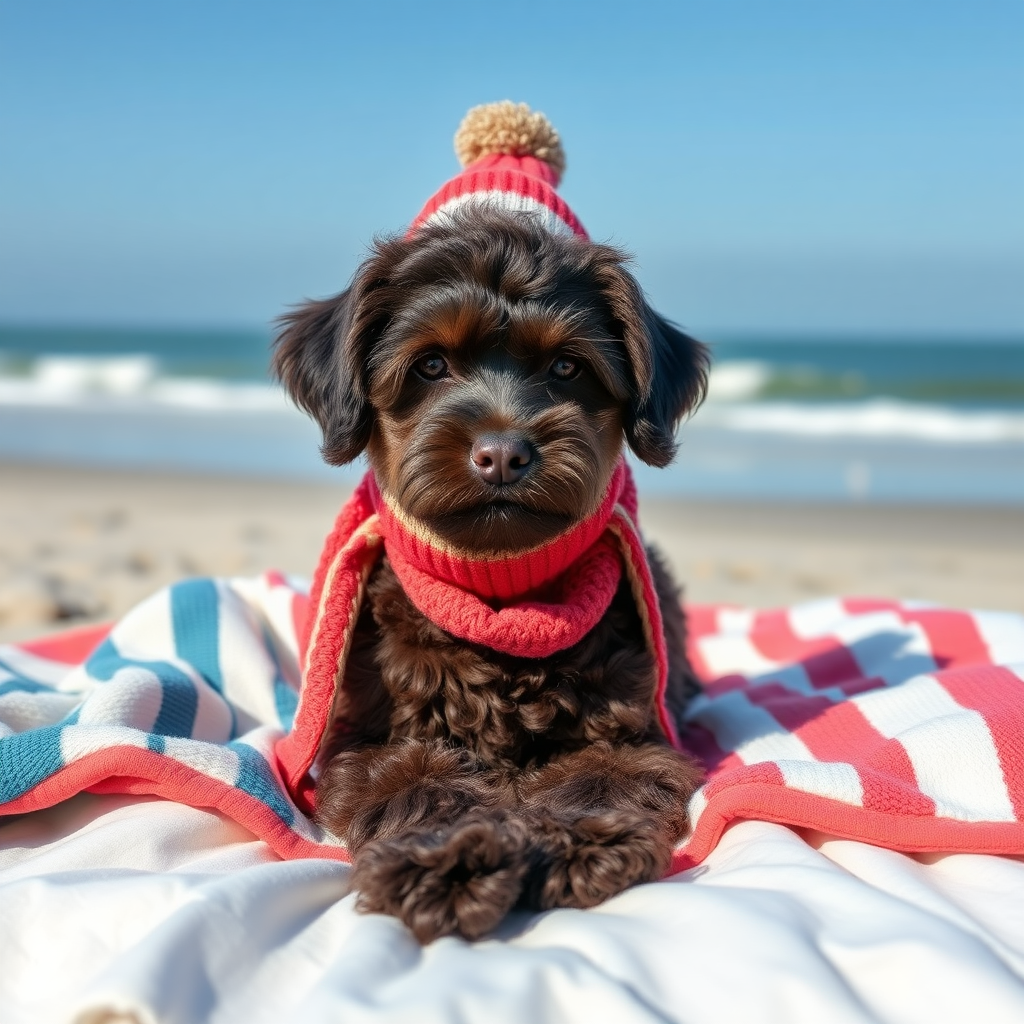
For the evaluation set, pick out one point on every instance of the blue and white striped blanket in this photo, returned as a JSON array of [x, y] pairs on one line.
[[186, 697]]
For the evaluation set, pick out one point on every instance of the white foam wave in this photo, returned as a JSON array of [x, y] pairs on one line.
[[737, 379], [877, 418], [70, 375], [132, 383], [135, 384]]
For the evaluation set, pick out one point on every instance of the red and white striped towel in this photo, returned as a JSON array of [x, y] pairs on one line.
[[897, 724]]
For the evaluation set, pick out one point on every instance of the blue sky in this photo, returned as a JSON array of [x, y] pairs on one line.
[[774, 165]]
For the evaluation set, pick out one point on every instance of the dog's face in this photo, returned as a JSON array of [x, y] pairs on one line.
[[491, 371]]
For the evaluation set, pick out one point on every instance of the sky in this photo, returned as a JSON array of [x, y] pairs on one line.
[[775, 166]]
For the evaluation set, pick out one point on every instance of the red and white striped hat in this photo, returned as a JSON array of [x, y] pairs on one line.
[[513, 160]]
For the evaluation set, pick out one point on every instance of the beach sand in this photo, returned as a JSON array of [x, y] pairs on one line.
[[80, 546]]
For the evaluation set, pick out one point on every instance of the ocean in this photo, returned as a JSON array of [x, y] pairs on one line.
[[829, 419]]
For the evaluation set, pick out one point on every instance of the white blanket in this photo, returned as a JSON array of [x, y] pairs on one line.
[[119, 908]]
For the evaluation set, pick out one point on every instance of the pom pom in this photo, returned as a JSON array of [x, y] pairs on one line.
[[508, 128]]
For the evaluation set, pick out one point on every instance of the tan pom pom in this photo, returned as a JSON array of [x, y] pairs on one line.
[[509, 128]]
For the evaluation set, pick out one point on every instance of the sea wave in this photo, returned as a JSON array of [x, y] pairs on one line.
[[876, 418], [738, 379], [736, 401], [132, 383], [931, 382]]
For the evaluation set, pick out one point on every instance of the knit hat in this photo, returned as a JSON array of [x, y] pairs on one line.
[[513, 161]]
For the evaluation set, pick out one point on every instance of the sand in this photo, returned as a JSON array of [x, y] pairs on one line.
[[80, 546]]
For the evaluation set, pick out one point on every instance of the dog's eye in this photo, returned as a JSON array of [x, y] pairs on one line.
[[564, 368], [432, 366]]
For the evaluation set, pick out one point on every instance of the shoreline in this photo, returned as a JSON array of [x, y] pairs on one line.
[[82, 545]]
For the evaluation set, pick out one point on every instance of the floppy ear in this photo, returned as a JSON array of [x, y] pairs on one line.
[[320, 355], [669, 367]]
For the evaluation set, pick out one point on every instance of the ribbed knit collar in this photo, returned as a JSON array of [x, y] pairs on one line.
[[501, 576]]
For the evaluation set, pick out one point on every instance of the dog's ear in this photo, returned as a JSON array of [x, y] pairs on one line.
[[670, 369], [320, 355]]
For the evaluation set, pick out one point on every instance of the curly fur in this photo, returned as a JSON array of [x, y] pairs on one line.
[[467, 781]]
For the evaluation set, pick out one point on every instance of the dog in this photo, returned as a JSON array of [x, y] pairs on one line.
[[491, 371]]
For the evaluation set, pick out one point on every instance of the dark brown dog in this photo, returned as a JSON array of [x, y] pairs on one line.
[[491, 370]]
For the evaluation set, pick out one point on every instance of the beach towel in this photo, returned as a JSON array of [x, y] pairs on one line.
[[898, 724]]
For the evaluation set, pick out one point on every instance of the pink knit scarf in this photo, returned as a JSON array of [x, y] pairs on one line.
[[530, 603]]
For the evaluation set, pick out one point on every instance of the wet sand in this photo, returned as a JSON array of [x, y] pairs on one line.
[[80, 545]]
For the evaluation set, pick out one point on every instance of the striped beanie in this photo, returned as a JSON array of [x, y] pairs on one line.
[[512, 160]]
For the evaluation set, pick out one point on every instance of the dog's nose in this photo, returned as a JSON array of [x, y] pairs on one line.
[[501, 458]]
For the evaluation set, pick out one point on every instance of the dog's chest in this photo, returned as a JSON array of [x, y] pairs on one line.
[[407, 678]]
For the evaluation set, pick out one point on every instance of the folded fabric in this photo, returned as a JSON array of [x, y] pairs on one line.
[[187, 697], [897, 724]]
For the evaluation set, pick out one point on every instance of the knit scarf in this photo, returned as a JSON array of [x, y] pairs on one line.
[[530, 604]]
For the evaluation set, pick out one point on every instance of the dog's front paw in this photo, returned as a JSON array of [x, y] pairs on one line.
[[583, 863], [462, 879]]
